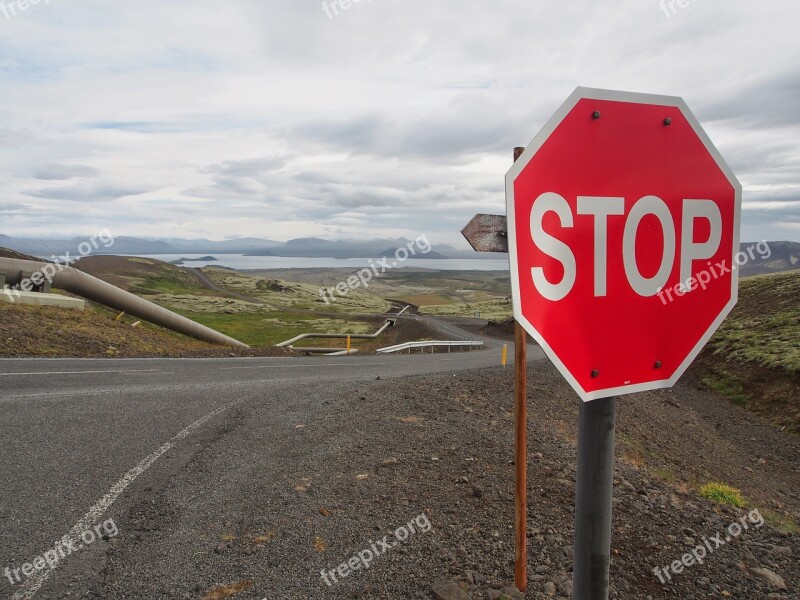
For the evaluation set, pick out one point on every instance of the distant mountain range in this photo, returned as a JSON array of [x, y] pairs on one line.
[[319, 248], [303, 247], [783, 256]]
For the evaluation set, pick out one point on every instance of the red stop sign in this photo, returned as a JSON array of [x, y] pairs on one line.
[[623, 224]]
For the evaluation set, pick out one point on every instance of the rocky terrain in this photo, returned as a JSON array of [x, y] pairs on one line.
[[339, 467]]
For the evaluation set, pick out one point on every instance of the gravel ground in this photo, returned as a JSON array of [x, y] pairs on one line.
[[286, 486]]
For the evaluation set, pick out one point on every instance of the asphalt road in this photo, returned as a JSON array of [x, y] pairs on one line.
[[81, 436]]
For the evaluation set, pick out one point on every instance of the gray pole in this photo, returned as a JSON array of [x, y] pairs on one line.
[[593, 493]]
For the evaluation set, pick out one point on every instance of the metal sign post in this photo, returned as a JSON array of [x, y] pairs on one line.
[[593, 494]]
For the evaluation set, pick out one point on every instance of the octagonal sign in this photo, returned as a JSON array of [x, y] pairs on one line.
[[623, 225]]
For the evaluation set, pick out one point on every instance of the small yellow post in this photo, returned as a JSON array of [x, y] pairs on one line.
[[120, 315], [348, 344], [505, 354]]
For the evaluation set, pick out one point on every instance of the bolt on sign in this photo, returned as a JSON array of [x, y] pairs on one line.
[[623, 224]]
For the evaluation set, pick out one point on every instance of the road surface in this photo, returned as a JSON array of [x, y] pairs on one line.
[[82, 436]]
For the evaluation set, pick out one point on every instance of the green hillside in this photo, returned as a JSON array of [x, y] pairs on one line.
[[754, 358]]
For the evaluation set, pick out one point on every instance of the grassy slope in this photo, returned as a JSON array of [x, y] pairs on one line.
[[765, 326], [754, 358], [494, 310], [283, 314], [282, 294], [452, 293], [286, 310], [45, 331], [268, 328], [142, 276]]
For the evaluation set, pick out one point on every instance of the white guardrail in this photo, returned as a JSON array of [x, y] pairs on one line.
[[431, 344]]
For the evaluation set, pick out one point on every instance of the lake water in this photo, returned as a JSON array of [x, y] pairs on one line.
[[239, 261]]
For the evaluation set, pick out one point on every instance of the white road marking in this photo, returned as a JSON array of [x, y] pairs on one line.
[[305, 366], [81, 372], [338, 364], [71, 539]]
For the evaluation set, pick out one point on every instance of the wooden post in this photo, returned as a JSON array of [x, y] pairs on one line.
[[521, 454], [489, 233], [521, 446]]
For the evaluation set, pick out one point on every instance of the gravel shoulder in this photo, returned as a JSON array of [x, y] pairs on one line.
[[298, 480]]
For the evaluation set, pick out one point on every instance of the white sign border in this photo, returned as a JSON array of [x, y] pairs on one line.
[[579, 94]]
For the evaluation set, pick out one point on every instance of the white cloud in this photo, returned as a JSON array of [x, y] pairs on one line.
[[266, 118]]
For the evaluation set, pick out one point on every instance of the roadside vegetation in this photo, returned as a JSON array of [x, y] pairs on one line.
[[764, 329], [754, 358], [724, 494], [46, 331]]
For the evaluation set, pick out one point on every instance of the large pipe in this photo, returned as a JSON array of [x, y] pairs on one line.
[[355, 336], [91, 288]]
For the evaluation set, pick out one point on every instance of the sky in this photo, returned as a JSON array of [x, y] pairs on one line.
[[379, 118]]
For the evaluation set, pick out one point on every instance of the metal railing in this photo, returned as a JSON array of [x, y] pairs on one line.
[[433, 344]]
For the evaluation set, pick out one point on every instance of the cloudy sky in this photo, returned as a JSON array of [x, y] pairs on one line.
[[269, 118]]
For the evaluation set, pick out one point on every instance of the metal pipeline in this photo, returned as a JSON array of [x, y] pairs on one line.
[[341, 336], [91, 288]]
